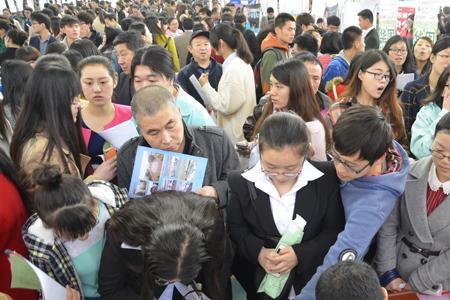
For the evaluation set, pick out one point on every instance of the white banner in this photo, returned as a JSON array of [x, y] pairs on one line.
[[425, 20], [388, 20]]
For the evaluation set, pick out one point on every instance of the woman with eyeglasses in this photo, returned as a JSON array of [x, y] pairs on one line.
[[435, 107], [264, 199], [413, 244], [397, 49], [66, 235], [373, 83], [416, 91]]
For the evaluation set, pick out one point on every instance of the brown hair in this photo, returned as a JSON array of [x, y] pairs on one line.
[[388, 102], [302, 100]]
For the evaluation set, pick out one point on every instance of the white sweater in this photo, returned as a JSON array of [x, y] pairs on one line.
[[235, 97]]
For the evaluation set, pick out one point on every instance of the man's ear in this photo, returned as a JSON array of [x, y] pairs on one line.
[[189, 48]]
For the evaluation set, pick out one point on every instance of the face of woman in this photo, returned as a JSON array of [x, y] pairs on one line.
[[282, 161], [398, 53], [279, 94], [97, 84], [173, 26], [440, 61], [441, 155], [422, 50], [375, 79]]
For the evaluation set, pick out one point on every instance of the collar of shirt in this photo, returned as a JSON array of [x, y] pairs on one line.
[[365, 32], [229, 59], [199, 70], [262, 182], [435, 183]]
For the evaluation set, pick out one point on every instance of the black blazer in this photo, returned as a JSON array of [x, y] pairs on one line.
[[372, 40], [251, 226], [35, 42]]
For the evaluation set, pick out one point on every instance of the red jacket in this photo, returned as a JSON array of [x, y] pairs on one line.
[[12, 217]]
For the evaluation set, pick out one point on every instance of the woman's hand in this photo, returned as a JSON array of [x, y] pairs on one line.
[[265, 259], [106, 170], [203, 79], [446, 99], [395, 286], [72, 294], [284, 261]]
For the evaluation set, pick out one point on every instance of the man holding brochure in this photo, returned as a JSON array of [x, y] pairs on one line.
[[162, 127]]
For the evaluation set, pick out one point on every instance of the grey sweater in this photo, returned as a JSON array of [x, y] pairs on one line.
[[204, 141]]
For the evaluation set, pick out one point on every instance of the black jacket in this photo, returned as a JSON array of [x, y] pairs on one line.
[[35, 42], [124, 91], [372, 40], [204, 141], [214, 75], [251, 226], [10, 53]]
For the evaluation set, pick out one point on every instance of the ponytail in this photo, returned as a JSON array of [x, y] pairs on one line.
[[233, 38]]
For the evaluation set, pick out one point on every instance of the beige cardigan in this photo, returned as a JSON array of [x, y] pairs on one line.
[[235, 97]]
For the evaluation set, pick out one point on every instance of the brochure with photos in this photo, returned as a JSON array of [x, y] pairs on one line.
[[158, 170]]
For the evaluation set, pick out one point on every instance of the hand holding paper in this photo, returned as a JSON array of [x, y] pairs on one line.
[[273, 284]]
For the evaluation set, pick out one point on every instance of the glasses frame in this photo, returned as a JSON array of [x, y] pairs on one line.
[[388, 78], [439, 154], [339, 160], [286, 174], [398, 51]]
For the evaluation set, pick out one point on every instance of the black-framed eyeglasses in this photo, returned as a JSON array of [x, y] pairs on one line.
[[286, 174], [379, 76], [439, 154], [398, 51], [339, 160]]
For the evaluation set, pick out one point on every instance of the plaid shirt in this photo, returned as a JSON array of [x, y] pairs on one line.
[[53, 258], [412, 96]]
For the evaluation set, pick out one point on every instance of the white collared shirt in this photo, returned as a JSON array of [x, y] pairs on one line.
[[435, 183], [227, 61], [282, 207], [365, 32]]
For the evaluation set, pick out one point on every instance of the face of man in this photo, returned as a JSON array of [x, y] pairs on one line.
[[164, 130], [315, 74], [333, 28], [6, 13], [27, 14], [85, 30], [200, 49], [37, 27], [124, 57], [359, 44], [286, 33], [363, 23], [353, 167], [72, 31]]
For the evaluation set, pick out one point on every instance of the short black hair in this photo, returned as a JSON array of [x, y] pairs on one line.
[[349, 280], [187, 23], [331, 43], [362, 129], [68, 20], [366, 14], [205, 10], [270, 10], [308, 57], [304, 19], [27, 53], [334, 20], [125, 23], [239, 19], [56, 47], [110, 17], [138, 27], [86, 17], [5, 25], [282, 18], [132, 39], [74, 57], [319, 20], [350, 36], [159, 60], [17, 36], [41, 19], [307, 42], [86, 47], [48, 12], [443, 124]]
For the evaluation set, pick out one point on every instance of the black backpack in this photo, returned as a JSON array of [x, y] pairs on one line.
[[257, 72]]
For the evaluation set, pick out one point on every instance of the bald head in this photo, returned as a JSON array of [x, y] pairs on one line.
[[150, 100]]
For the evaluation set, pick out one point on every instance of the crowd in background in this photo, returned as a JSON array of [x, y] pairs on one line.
[[300, 119]]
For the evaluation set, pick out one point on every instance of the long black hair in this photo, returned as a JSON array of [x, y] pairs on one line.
[[233, 38], [436, 96], [191, 220], [408, 65], [47, 101], [14, 74]]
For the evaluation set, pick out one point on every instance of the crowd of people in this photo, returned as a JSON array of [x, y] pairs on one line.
[[303, 120]]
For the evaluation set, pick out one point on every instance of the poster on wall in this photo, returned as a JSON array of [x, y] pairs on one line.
[[294, 7], [425, 21], [402, 17], [254, 17], [388, 20]]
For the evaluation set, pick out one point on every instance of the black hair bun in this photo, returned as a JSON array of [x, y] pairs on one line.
[[47, 175]]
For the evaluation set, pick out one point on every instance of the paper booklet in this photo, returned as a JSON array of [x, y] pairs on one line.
[[119, 134], [158, 170], [25, 275], [404, 79]]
